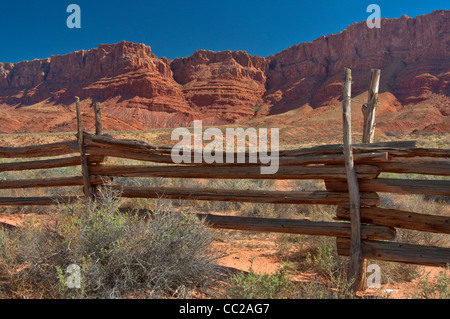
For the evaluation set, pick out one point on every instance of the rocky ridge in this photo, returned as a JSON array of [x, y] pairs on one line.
[[138, 90]]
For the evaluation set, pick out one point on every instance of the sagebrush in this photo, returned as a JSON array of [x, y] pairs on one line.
[[164, 254]]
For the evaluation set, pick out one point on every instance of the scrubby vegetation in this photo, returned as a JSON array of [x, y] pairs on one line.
[[167, 252], [253, 285], [164, 254]]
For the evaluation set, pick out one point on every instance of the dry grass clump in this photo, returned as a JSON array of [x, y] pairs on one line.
[[318, 254], [164, 254]]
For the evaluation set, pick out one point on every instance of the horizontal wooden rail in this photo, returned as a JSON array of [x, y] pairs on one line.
[[398, 252], [399, 218], [418, 159], [362, 158], [105, 142], [357, 148], [44, 150], [398, 186], [150, 156], [49, 163], [296, 226], [37, 201], [421, 152], [130, 154], [42, 164], [47, 182], [397, 150], [112, 143], [427, 168], [276, 197], [233, 172]]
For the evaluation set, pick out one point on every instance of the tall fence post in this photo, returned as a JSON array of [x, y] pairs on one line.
[[98, 132], [82, 149], [356, 273], [98, 119], [369, 109]]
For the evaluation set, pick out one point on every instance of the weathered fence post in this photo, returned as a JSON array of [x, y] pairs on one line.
[[98, 132], [356, 273], [369, 109], [82, 149], [98, 119]]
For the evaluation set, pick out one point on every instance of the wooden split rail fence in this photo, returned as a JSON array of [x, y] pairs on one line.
[[370, 234]]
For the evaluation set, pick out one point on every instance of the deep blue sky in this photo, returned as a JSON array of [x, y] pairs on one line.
[[37, 29]]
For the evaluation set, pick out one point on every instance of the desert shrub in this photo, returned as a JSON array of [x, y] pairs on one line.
[[337, 288], [439, 288], [393, 272], [253, 285], [262, 210], [398, 272], [318, 255], [308, 184], [422, 204], [118, 255], [325, 261]]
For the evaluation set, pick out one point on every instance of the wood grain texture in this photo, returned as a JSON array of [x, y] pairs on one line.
[[255, 196], [398, 252], [399, 219], [295, 226]]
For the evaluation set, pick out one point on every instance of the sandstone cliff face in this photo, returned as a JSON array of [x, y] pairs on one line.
[[139, 90], [127, 73], [413, 55], [222, 84]]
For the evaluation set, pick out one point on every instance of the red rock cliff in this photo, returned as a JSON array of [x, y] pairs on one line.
[[412, 53], [124, 75], [222, 84], [143, 91]]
